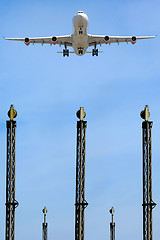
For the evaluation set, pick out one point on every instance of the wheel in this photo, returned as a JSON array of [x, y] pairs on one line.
[[94, 52], [80, 52], [65, 52]]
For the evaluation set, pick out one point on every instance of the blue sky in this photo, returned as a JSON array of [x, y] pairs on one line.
[[47, 90]]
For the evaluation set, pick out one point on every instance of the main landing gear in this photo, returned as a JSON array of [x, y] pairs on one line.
[[65, 52], [80, 51], [95, 51]]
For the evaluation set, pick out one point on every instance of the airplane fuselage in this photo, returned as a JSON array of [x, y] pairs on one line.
[[80, 33]]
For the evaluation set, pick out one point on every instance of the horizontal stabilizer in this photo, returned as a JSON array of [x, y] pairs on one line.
[[91, 52], [69, 52]]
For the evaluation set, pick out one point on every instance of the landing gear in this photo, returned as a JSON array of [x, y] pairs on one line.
[[95, 51], [80, 51], [80, 31], [65, 52]]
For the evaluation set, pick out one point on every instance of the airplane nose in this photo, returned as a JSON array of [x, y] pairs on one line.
[[80, 18]]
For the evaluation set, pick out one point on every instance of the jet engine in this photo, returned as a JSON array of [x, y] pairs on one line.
[[106, 39], [27, 41], [54, 40], [133, 41]]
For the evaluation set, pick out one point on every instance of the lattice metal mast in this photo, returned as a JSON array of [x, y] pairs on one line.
[[112, 225], [44, 225], [81, 203], [11, 203], [148, 203]]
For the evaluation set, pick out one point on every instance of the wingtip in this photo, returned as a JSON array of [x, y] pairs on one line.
[[5, 38]]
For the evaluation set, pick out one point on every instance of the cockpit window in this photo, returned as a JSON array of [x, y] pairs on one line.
[[80, 12]]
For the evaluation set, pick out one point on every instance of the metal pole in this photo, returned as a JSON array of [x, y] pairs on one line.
[[112, 225], [44, 225], [11, 203], [81, 203], [148, 203]]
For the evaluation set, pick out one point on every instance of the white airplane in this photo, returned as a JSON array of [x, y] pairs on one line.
[[80, 40]]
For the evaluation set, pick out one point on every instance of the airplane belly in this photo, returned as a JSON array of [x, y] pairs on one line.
[[80, 44], [80, 34]]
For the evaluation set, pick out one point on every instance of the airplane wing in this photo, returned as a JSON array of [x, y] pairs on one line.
[[61, 40], [97, 39]]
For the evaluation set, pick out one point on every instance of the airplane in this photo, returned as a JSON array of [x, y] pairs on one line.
[[80, 40]]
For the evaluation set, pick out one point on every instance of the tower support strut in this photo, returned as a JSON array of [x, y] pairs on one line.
[[44, 225], [11, 203], [148, 203], [81, 203], [112, 225]]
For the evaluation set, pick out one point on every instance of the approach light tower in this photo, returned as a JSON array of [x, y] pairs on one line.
[[81, 203], [112, 225], [44, 225], [148, 203], [11, 203]]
